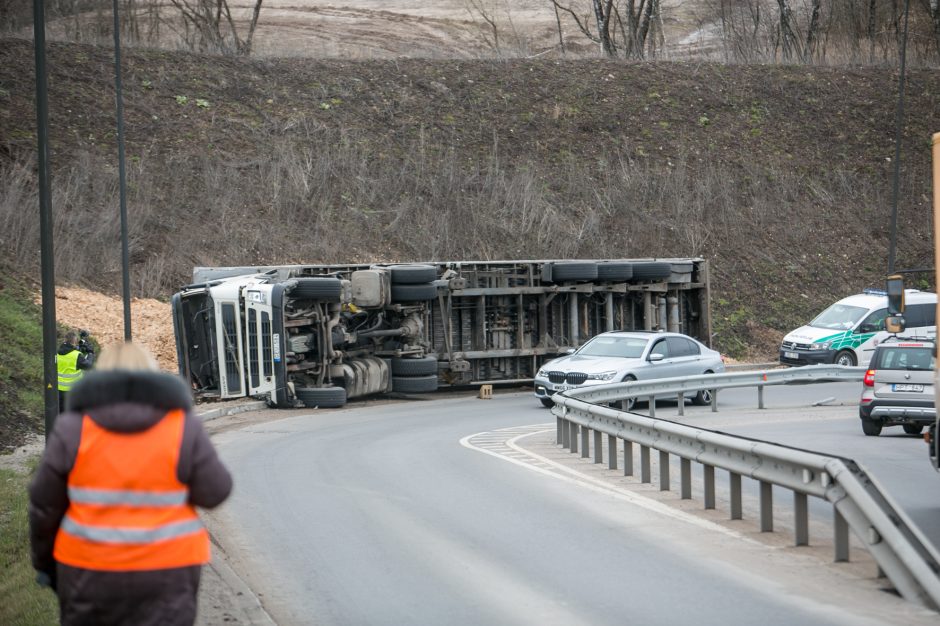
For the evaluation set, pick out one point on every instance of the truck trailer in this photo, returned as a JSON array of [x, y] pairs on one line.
[[318, 335]]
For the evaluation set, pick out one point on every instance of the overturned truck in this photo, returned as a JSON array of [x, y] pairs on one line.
[[317, 335]]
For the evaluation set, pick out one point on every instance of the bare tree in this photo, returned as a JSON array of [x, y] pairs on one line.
[[620, 27], [209, 25]]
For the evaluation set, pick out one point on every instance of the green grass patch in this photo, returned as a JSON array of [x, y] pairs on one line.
[[22, 601], [20, 352]]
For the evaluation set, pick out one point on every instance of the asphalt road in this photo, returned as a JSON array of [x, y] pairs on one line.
[[376, 514]]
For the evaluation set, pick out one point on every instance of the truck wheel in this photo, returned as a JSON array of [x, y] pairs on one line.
[[652, 271], [326, 288], [845, 358], [614, 271], [913, 429], [412, 274], [574, 270], [414, 367], [414, 384], [870, 427], [413, 293], [322, 397]]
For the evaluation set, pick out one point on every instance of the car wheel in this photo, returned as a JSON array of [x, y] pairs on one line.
[[870, 427], [703, 397], [403, 366], [414, 384], [326, 288], [547, 402], [845, 358], [627, 405], [913, 429], [322, 397]]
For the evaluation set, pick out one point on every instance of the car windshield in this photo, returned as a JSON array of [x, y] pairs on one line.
[[625, 347], [905, 359], [839, 317]]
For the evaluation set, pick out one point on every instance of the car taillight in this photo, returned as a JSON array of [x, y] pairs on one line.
[[869, 380]]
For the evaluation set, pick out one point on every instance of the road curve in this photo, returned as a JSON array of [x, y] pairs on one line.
[[377, 514]]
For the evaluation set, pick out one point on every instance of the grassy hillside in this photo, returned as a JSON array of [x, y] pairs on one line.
[[780, 176]]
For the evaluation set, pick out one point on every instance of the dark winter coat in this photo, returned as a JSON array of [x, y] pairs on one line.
[[121, 401]]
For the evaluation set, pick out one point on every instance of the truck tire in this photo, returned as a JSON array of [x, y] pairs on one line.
[[404, 366], [574, 270], [412, 274], [414, 293], [652, 270], [322, 397], [414, 384], [327, 289], [614, 270]]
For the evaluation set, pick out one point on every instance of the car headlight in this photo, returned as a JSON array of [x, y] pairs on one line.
[[820, 346], [542, 374], [602, 375]]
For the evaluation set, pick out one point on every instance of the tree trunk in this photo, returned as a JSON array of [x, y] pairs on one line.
[[812, 32]]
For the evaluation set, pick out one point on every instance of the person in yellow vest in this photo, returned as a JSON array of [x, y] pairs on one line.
[[72, 361], [114, 528]]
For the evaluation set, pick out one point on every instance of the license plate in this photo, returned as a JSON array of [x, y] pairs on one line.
[[791, 355], [562, 387], [906, 387]]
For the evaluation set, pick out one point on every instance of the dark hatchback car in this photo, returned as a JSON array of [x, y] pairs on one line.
[[898, 388]]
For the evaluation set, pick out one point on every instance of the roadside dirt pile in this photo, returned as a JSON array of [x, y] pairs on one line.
[[103, 316]]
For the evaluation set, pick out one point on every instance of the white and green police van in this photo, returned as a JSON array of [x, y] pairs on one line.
[[847, 332]]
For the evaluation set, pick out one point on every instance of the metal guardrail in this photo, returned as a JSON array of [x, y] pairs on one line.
[[902, 553]]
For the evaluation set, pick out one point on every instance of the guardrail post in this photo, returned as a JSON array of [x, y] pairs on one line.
[[663, 471], [714, 400], [801, 513], [558, 428], [565, 433], [585, 442], [598, 447], [760, 396], [841, 527], [627, 458], [611, 452], [652, 406], [573, 437], [766, 507], [709, 476], [681, 404], [736, 510], [645, 464], [685, 477]]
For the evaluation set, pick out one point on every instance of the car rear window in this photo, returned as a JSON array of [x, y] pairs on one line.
[[904, 359], [626, 347]]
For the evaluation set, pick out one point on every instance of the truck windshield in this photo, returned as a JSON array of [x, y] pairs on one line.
[[839, 317]]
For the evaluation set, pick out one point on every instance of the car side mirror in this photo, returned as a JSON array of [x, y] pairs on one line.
[[656, 356]]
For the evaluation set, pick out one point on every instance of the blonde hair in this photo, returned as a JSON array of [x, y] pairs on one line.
[[127, 356]]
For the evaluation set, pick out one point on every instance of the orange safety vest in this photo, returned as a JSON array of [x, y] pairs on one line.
[[127, 509]]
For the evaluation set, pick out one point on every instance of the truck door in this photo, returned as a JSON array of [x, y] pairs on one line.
[[259, 339], [228, 330]]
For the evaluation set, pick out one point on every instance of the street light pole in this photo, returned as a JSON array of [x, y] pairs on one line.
[[122, 175], [49, 339]]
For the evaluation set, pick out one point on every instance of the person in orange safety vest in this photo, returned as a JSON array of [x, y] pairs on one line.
[[113, 522]]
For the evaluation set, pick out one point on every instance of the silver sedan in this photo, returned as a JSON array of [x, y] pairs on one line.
[[621, 356]]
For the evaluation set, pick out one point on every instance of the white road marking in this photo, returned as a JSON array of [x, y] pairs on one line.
[[507, 448]]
